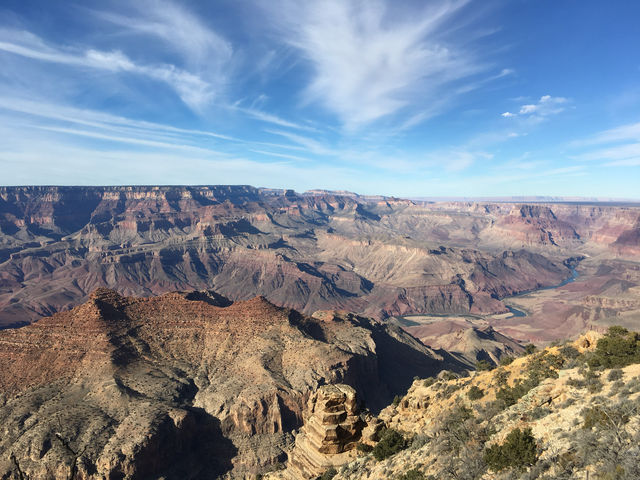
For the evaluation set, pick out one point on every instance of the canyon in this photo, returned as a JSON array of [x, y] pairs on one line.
[[386, 258], [231, 331]]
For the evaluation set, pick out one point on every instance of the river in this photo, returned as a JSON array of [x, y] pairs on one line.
[[519, 313]]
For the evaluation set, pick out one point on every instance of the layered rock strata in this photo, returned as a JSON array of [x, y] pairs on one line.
[[373, 255], [332, 427], [185, 385]]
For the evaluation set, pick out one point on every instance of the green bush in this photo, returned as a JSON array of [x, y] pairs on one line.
[[569, 352], [328, 474], [475, 393], [618, 348], [506, 360], [448, 375], [396, 400], [529, 349], [518, 451], [390, 444], [544, 365], [427, 382], [511, 395], [615, 374], [413, 474], [484, 366], [501, 376], [364, 448]]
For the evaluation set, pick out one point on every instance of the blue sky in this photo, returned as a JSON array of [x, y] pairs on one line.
[[439, 98]]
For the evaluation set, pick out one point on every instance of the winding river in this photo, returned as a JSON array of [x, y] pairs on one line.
[[519, 313]]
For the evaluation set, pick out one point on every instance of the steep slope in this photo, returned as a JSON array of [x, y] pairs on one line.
[[558, 413], [185, 385], [472, 342]]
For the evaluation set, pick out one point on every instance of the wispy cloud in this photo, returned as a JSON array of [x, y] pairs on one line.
[[204, 57], [623, 133], [193, 90], [366, 62], [546, 106], [616, 147], [100, 120], [176, 27], [273, 119], [312, 145]]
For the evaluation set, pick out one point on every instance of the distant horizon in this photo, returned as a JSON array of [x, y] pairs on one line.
[[447, 98], [426, 198]]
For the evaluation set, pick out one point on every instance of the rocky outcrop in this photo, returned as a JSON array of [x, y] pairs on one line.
[[584, 423], [187, 385], [332, 427], [472, 342]]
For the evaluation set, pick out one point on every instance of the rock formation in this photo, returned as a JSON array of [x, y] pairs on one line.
[[332, 427], [580, 420], [186, 385]]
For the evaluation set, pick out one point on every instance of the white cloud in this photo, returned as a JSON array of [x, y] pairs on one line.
[[368, 63], [546, 106], [457, 161]]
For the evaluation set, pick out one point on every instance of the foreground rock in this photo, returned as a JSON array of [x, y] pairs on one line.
[[332, 427], [582, 423], [186, 385]]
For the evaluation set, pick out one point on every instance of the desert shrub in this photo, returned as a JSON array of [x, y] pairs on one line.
[[450, 389], [396, 400], [413, 474], [419, 441], [592, 381], [427, 382], [576, 383], [459, 443], [529, 349], [569, 352], [616, 387], [447, 375], [328, 474], [475, 393], [617, 348], [484, 366], [506, 360], [539, 412], [632, 386], [501, 376], [609, 440], [518, 451], [615, 374], [363, 447], [510, 395], [544, 365], [391, 443]]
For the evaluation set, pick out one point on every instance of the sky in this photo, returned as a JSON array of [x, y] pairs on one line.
[[405, 98]]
